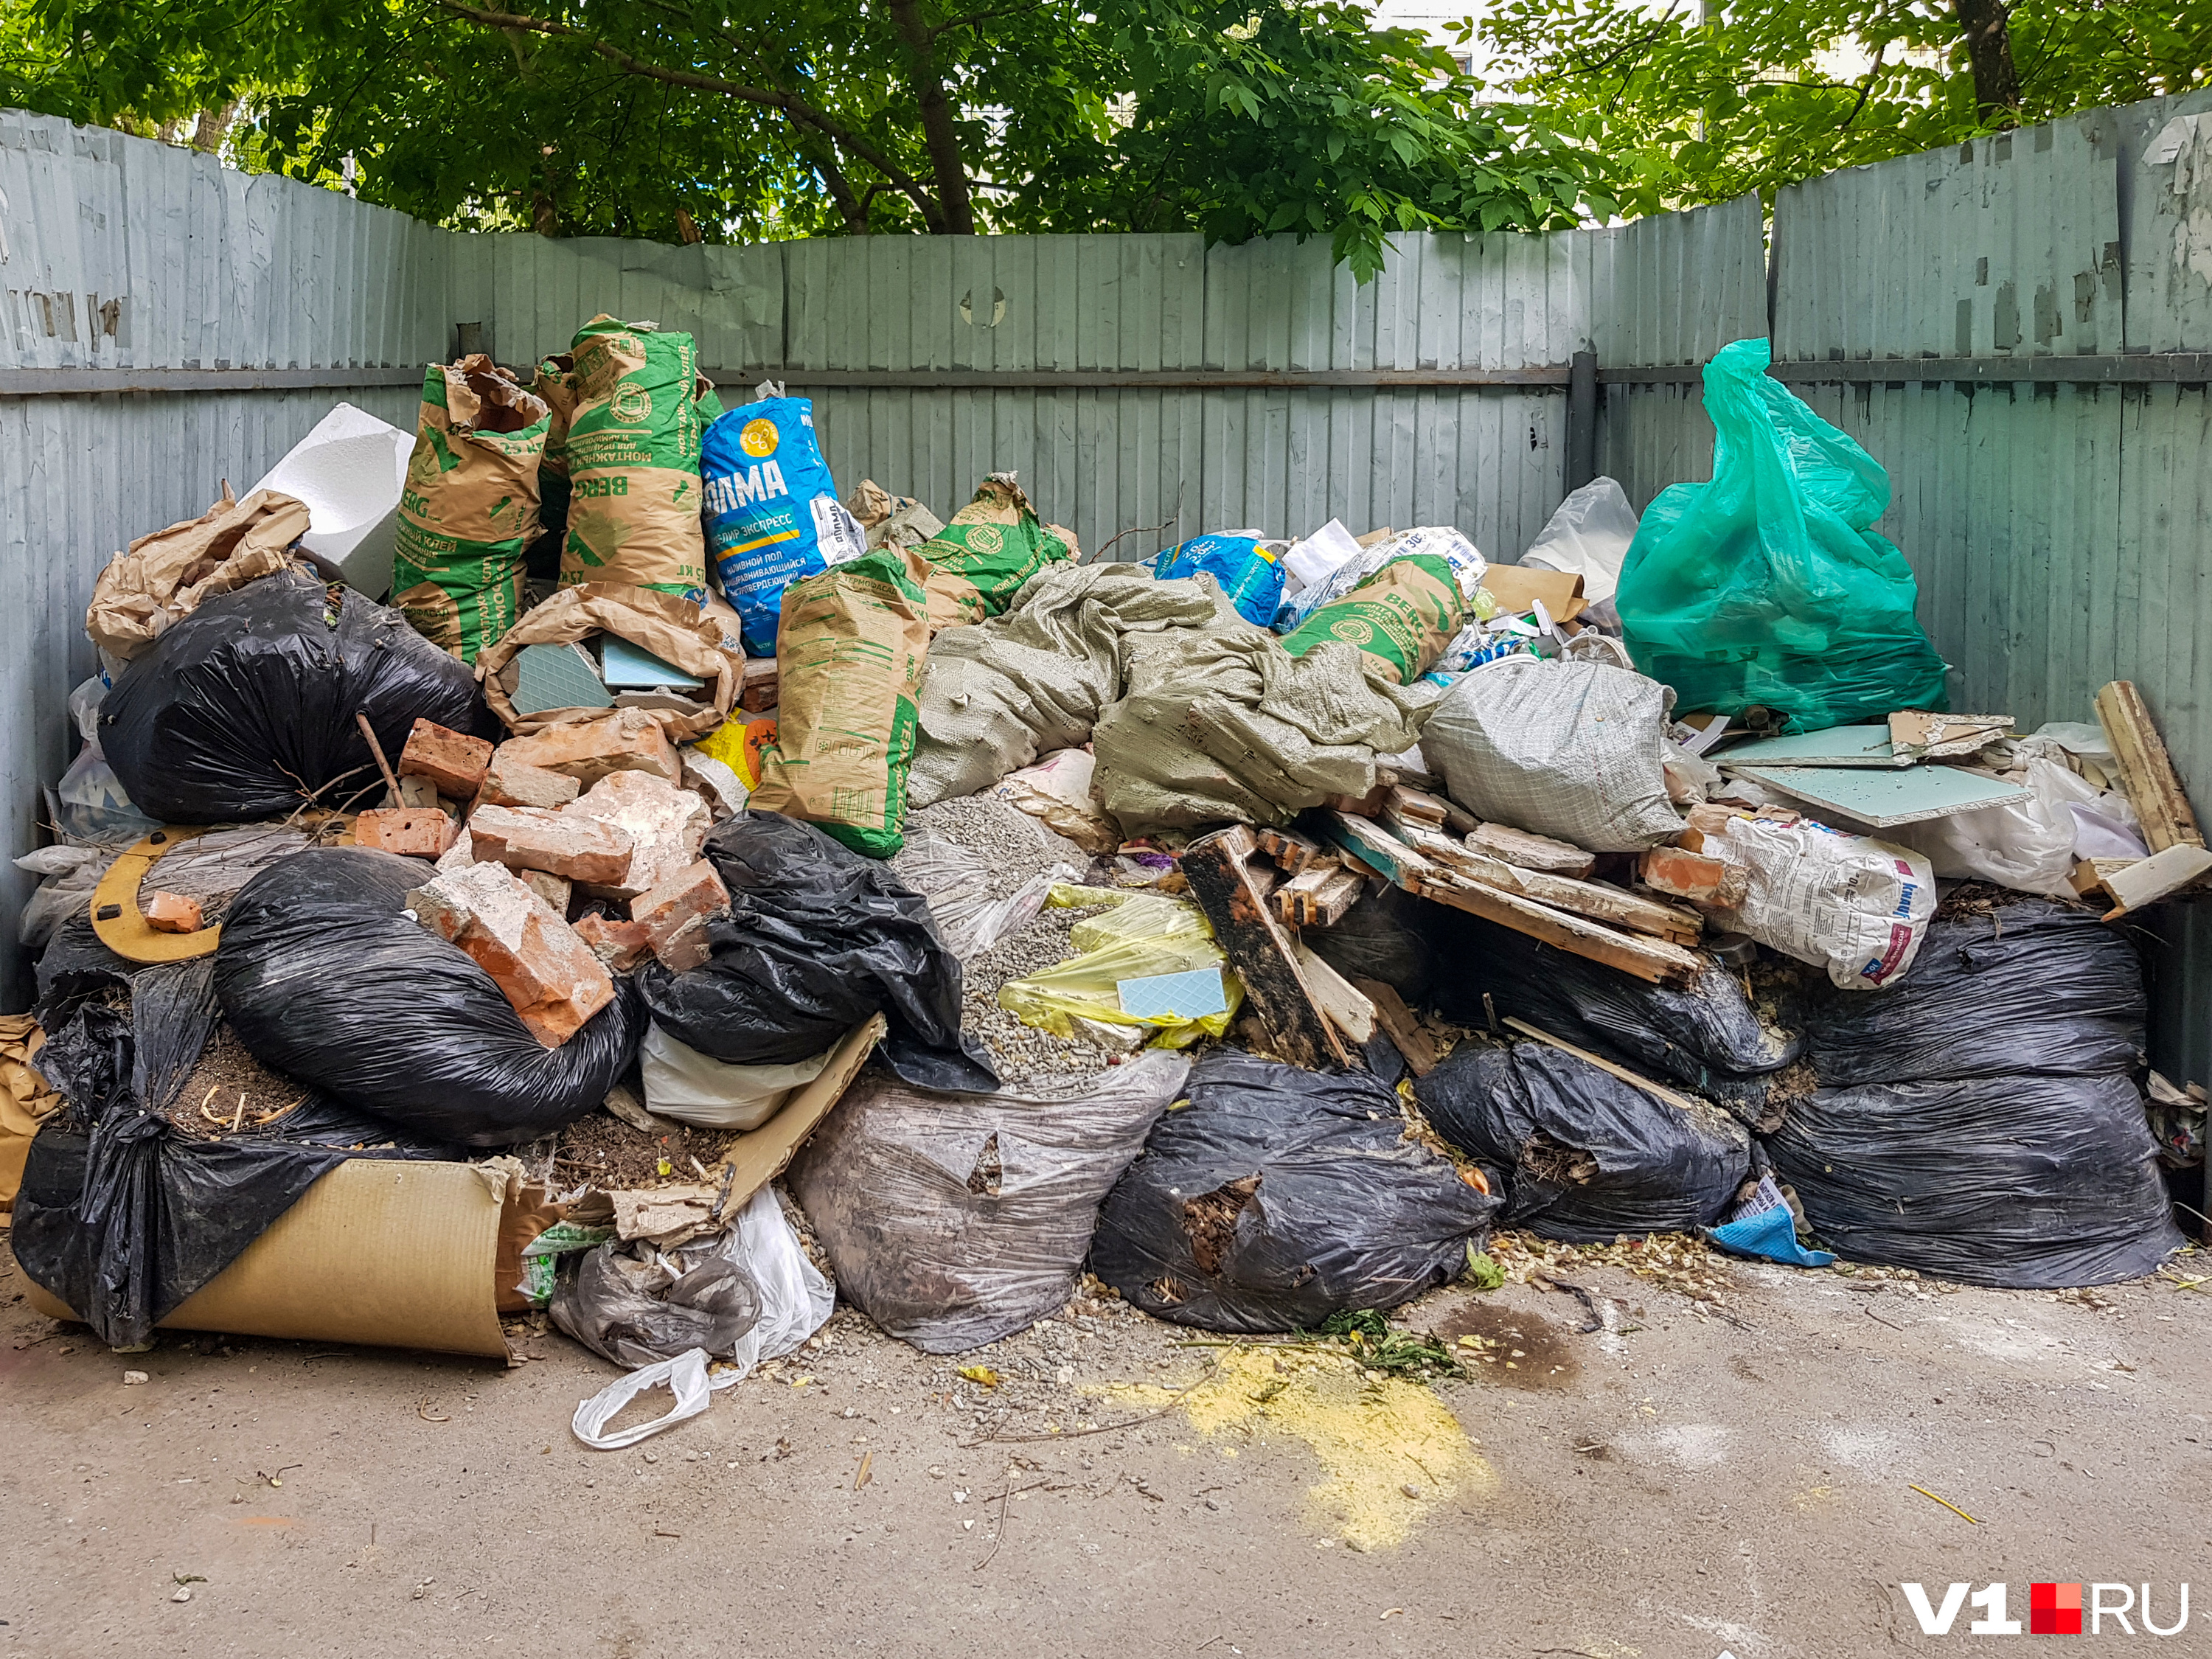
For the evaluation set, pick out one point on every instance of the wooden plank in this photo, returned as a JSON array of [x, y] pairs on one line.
[[1294, 899], [1399, 1025], [1657, 1090], [1524, 851], [1327, 906], [1656, 960], [1291, 851], [1264, 876], [2147, 775], [1456, 818], [1611, 904], [1373, 846], [1258, 949], [1347, 1010], [1416, 805], [2141, 881]]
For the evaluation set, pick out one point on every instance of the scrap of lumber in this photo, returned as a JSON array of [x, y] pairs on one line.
[[1291, 851], [1335, 897], [1657, 1090], [1434, 808], [1524, 851], [1319, 895], [1657, 960], [2147, 775], [1265, 877], [1399, 1025], [1584, 898], [1347, 1009], [1373, 847], [1298, 1032], [2139, 882]]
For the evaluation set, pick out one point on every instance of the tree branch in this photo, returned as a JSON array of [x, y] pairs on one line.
[[985, 16], [766, 97], [939, 133]]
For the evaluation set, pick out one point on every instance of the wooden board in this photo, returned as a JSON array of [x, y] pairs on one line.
[[1610, 904], [1653, 959], [1373, 846], [1338, 895], [1524, 851], [1657, 1090], [1347, 1010], [2147, 775], [2141, 881], [1399, 1025], [1258, 951]]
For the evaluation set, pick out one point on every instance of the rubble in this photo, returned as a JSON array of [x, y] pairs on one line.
[[560, 844], [531, 953], [628, 740], [511, 780], [454, 763], [420, 832]]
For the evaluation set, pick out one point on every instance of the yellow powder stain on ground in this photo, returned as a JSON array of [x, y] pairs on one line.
[[1373, 1440]]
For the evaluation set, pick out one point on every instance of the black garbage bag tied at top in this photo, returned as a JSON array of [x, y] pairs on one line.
[[325, 977], [1585, 1156], [121, 1216], [1278, 1197], [818, 938], [246, 707], [1980, 1120]]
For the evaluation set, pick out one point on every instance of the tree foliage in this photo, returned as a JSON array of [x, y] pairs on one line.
[[736, 119], [1700, 105]]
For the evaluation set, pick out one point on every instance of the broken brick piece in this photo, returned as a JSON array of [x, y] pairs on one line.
[[513, 782], [756, 691], [666, 827], [620, 944], [417, 832], [693, 894], [1693, 875], [541, 967], [555, 891], [527, 838], [451, 761], [171, 912], [628, 740], [687, 948]]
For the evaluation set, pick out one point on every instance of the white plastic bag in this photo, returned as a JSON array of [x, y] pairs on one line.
[[1589, 536], [796, 1301], [2029, 845], [1056, 792], [683, 1083], [1575, 751], [1856, 907]]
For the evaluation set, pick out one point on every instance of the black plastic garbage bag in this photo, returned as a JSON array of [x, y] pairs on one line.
[[953, 1221], [1706, 1035], [2031, 986], [817, 938], [1389, 936], [636, 1304], [1584, 1156], [325, 977], [2025, 1181], [1980, 1119], [1278, 1197], [122, 1217], [246, 707]]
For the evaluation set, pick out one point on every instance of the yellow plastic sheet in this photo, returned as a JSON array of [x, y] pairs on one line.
[[1145, 934]]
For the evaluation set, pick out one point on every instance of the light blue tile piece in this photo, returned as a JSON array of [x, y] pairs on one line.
[[622, 665], [1191, 995], [556, 677]]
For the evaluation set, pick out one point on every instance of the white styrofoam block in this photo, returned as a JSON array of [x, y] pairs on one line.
[[350, 472]]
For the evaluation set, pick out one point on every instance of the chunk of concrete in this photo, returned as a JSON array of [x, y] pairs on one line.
[[666, 826], [513, 781], [542, 969]]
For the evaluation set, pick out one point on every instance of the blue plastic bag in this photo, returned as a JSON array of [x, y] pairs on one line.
[[1249, 574], [1768, 586], [1764, 1229], [772, 511]]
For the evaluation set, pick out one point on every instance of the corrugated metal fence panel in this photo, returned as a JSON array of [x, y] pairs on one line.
[[118, 253], [1665, 291]]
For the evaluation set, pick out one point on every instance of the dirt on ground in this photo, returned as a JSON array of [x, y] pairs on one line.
[[1700, 1457]]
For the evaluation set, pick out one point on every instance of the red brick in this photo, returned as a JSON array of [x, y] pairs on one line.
[[667, 911], [582, 849], [687, 948], [620, 944], [1693, 875], [455, 763], [665, 825], [542, 969], [555, 891], [419, 832], [628, 740], [171, 912], [757, 692], [513, 781]]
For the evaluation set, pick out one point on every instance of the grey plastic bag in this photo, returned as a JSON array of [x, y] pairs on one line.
[[1568, 749]]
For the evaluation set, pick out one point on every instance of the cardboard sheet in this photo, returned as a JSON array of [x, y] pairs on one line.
[[761, 1154], [386, 1254]]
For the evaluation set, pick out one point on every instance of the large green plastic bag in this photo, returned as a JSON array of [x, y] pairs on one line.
[[1767, 587]]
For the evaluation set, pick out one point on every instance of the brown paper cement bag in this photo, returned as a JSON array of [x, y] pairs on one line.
[[164, 576], [25, 1101], [632, 451], [679, 632], [849, 655], [993, 545]]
